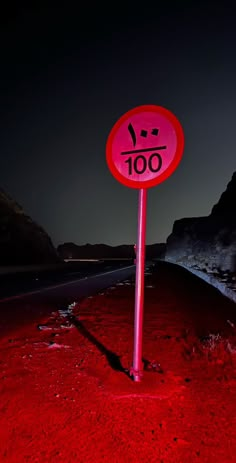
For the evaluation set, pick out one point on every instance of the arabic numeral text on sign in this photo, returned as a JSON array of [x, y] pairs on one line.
[[140, 164]]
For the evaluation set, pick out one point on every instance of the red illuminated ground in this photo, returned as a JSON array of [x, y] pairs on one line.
[[64, 400]]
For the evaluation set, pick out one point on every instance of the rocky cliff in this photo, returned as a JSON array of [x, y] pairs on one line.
[[22, 241], [207, 243]]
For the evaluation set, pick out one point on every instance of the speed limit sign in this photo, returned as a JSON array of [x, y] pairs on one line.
[[144, 146], [143, 149]]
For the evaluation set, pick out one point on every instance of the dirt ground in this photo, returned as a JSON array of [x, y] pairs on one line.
[[66, 394]]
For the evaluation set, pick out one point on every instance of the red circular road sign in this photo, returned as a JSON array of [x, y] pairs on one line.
[[145, 146]]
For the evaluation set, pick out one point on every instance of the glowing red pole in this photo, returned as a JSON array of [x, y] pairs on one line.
[[139, 287]]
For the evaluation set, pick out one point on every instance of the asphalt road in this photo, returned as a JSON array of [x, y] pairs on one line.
[[21, 308], [23, 282], [17, 311]]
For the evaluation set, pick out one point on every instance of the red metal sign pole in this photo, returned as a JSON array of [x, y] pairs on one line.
[[137, 368]]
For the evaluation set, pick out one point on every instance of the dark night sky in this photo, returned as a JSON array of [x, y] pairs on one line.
[[67, 75]]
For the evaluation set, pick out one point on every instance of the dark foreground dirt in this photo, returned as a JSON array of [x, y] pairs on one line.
[[66, 395]]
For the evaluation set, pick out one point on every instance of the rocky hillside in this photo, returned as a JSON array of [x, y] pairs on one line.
[[22, 241], [103, 251], [207, 243]]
